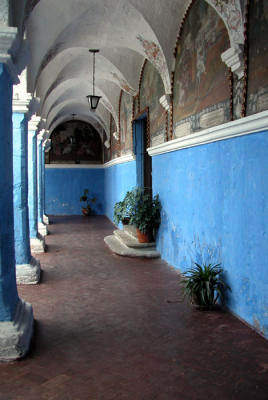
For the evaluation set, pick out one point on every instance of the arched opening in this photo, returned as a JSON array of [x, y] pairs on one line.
[[75, 142]]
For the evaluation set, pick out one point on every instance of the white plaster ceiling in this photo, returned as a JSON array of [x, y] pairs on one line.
[[60, 33]]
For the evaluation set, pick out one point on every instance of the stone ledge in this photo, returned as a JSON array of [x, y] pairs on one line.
[[28, 274], [15, 336], [117, 247], [130, 241]]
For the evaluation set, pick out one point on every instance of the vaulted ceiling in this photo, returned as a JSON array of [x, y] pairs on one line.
[[60, 33]]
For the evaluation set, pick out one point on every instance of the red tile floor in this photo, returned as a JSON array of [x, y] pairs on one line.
[[105, 330]]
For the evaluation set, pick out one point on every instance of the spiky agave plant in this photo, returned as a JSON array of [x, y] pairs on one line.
[[204, 285]]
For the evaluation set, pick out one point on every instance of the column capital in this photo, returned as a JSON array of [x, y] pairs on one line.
[[33, 123], [40, 135], [234, 59], [47, 145], [22, 105], [165, 101], [8, 37]]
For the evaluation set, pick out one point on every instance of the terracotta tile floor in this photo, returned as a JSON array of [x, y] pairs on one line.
[[104, 330]]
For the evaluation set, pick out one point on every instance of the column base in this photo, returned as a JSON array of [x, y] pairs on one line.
[[42, 229], [37, 244], [15, 336], [45, 219], [28, 274]]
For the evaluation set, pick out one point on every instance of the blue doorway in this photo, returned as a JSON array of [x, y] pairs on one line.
[[143, 160]]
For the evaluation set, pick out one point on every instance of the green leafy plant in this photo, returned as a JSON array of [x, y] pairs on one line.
[[146, 210], [204, 285], [87, 208], [123, 209], [143, 210]]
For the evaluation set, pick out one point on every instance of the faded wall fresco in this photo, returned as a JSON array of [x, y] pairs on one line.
[[126, 123], [201, 82], [114, 142], [152, 89], [258, 57], [75, 142]]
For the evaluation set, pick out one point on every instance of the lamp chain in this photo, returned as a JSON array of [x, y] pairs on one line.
[[94, 74]]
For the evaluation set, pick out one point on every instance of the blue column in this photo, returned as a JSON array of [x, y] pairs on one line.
[[16, 316], [27, 267], [8, 288], [37, 242], [42, 228]]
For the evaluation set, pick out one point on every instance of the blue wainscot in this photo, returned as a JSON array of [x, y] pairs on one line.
[[65, 185], [215, 209]]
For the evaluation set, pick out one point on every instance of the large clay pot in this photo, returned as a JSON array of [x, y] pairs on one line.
[[144, 237]]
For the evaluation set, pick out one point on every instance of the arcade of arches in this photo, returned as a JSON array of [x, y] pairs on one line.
[[196, 72]]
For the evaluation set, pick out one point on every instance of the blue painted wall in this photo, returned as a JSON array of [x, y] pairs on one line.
[[215, 208], [118, 180], [8, 288], [65, 186]]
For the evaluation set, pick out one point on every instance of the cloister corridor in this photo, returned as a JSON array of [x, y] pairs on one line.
[[105, 329]]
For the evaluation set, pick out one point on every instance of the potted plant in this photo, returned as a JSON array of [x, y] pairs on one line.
[[87, 208], [145, 214], [123, 209], [204, 285]]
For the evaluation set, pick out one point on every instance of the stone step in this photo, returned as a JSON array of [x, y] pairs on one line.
[[117, 247], [131, 230], [131, 241]]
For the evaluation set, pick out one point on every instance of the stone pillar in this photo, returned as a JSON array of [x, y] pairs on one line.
[[45, 145], [16, 316], [27, 267], [42, 227], [37, 241]]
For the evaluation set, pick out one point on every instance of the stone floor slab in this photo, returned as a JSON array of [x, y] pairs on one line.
[[114, 328]]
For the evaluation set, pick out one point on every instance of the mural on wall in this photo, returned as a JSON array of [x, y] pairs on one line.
[[126, 123], [75, 142], [157, 58], [152, 89], [201, 78], [114, 141], [258, 57]]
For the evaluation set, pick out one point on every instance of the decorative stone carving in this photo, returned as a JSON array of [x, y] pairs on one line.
[[233, 58], [33, 123], [116, 135], [107, 144], [47, 145], [165, 101], [15, 335]]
